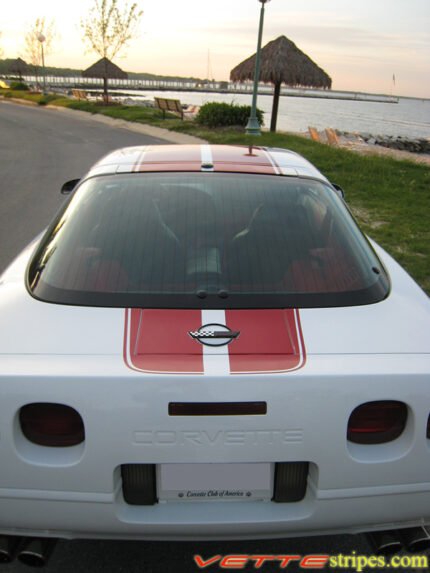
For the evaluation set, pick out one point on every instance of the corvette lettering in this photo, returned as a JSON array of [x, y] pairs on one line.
[[217, 438]]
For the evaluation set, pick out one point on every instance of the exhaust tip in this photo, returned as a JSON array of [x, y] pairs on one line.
[[8, 546], [419, 546], [5, 557], [31, 559], [416, 539], [36, 552], [385, 542]]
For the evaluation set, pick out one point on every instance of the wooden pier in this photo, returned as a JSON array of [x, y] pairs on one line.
[[58, 82]]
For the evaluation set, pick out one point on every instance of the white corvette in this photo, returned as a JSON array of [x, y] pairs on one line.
[[203, 345]]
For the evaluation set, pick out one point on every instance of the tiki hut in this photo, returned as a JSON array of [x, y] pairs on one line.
[[282, 63], [106, 70], [18, 67]]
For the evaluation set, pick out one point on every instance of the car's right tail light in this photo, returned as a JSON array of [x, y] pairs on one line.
[[50, 424], [377, 422]]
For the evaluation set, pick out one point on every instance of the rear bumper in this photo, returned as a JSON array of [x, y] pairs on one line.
[[71, 515], [77, 492]]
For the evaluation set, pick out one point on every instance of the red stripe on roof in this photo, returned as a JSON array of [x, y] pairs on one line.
[[250, 159], [152, 167], [166, 156], [188, 158]]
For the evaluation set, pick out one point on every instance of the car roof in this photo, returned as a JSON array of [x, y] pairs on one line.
[[218, 158]]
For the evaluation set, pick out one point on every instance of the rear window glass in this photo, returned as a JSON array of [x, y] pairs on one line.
[[206, 240]]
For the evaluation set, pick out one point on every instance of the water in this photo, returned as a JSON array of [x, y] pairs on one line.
[[409, 118]]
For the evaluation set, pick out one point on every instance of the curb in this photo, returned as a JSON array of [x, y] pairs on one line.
[[20, 101], [143, 128]]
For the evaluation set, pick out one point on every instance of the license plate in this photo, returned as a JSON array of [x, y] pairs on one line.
[[215, 482]]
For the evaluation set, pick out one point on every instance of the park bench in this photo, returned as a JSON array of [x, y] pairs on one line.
[[170, 105], [80, 94]]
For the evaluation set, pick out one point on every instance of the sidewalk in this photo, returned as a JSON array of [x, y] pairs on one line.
[[159, 132]]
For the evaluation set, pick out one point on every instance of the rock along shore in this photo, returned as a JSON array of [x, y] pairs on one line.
[[415, 145]]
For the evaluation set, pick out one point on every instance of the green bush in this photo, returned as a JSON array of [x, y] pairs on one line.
[[44, 100], [19, 86], [215, 114]]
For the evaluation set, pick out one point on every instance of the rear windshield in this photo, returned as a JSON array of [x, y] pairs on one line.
[[206, 240]]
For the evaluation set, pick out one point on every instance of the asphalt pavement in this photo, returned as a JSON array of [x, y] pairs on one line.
[[40, 149]]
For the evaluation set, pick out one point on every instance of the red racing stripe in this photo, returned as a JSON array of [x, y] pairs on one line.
[[158, 341], [236, 159], [269, 341], [171, 158]]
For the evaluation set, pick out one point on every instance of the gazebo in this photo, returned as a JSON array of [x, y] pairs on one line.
[[19, 67], [105, 69], [282, 63]]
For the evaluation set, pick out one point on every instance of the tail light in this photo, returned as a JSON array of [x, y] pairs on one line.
[[54, 425], [377, 422]]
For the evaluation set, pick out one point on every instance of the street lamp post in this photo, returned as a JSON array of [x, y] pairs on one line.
[[41, 39], [253, 125]]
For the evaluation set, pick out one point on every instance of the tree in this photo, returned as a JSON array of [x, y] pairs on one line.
[[32, 44], [108, 29]]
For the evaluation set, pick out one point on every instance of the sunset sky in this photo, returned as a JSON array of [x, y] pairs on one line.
[[361, 44]]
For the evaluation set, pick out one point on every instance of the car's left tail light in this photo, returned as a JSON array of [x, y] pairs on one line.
[[377, 422], [49, 424]]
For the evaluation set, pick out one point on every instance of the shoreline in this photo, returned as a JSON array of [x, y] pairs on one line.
[[358, 145], [353, 145], [408, 119], [367, 149]]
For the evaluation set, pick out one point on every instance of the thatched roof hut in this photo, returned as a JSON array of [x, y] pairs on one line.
[[282, 63], [19, 67], [104, 68]]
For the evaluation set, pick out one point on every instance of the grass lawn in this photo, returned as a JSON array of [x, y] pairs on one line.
[[390, 198]]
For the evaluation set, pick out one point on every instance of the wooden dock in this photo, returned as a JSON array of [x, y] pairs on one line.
[[57, 82]]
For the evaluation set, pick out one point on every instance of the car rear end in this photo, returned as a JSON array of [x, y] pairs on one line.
[[314, 423], [211, 351]]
